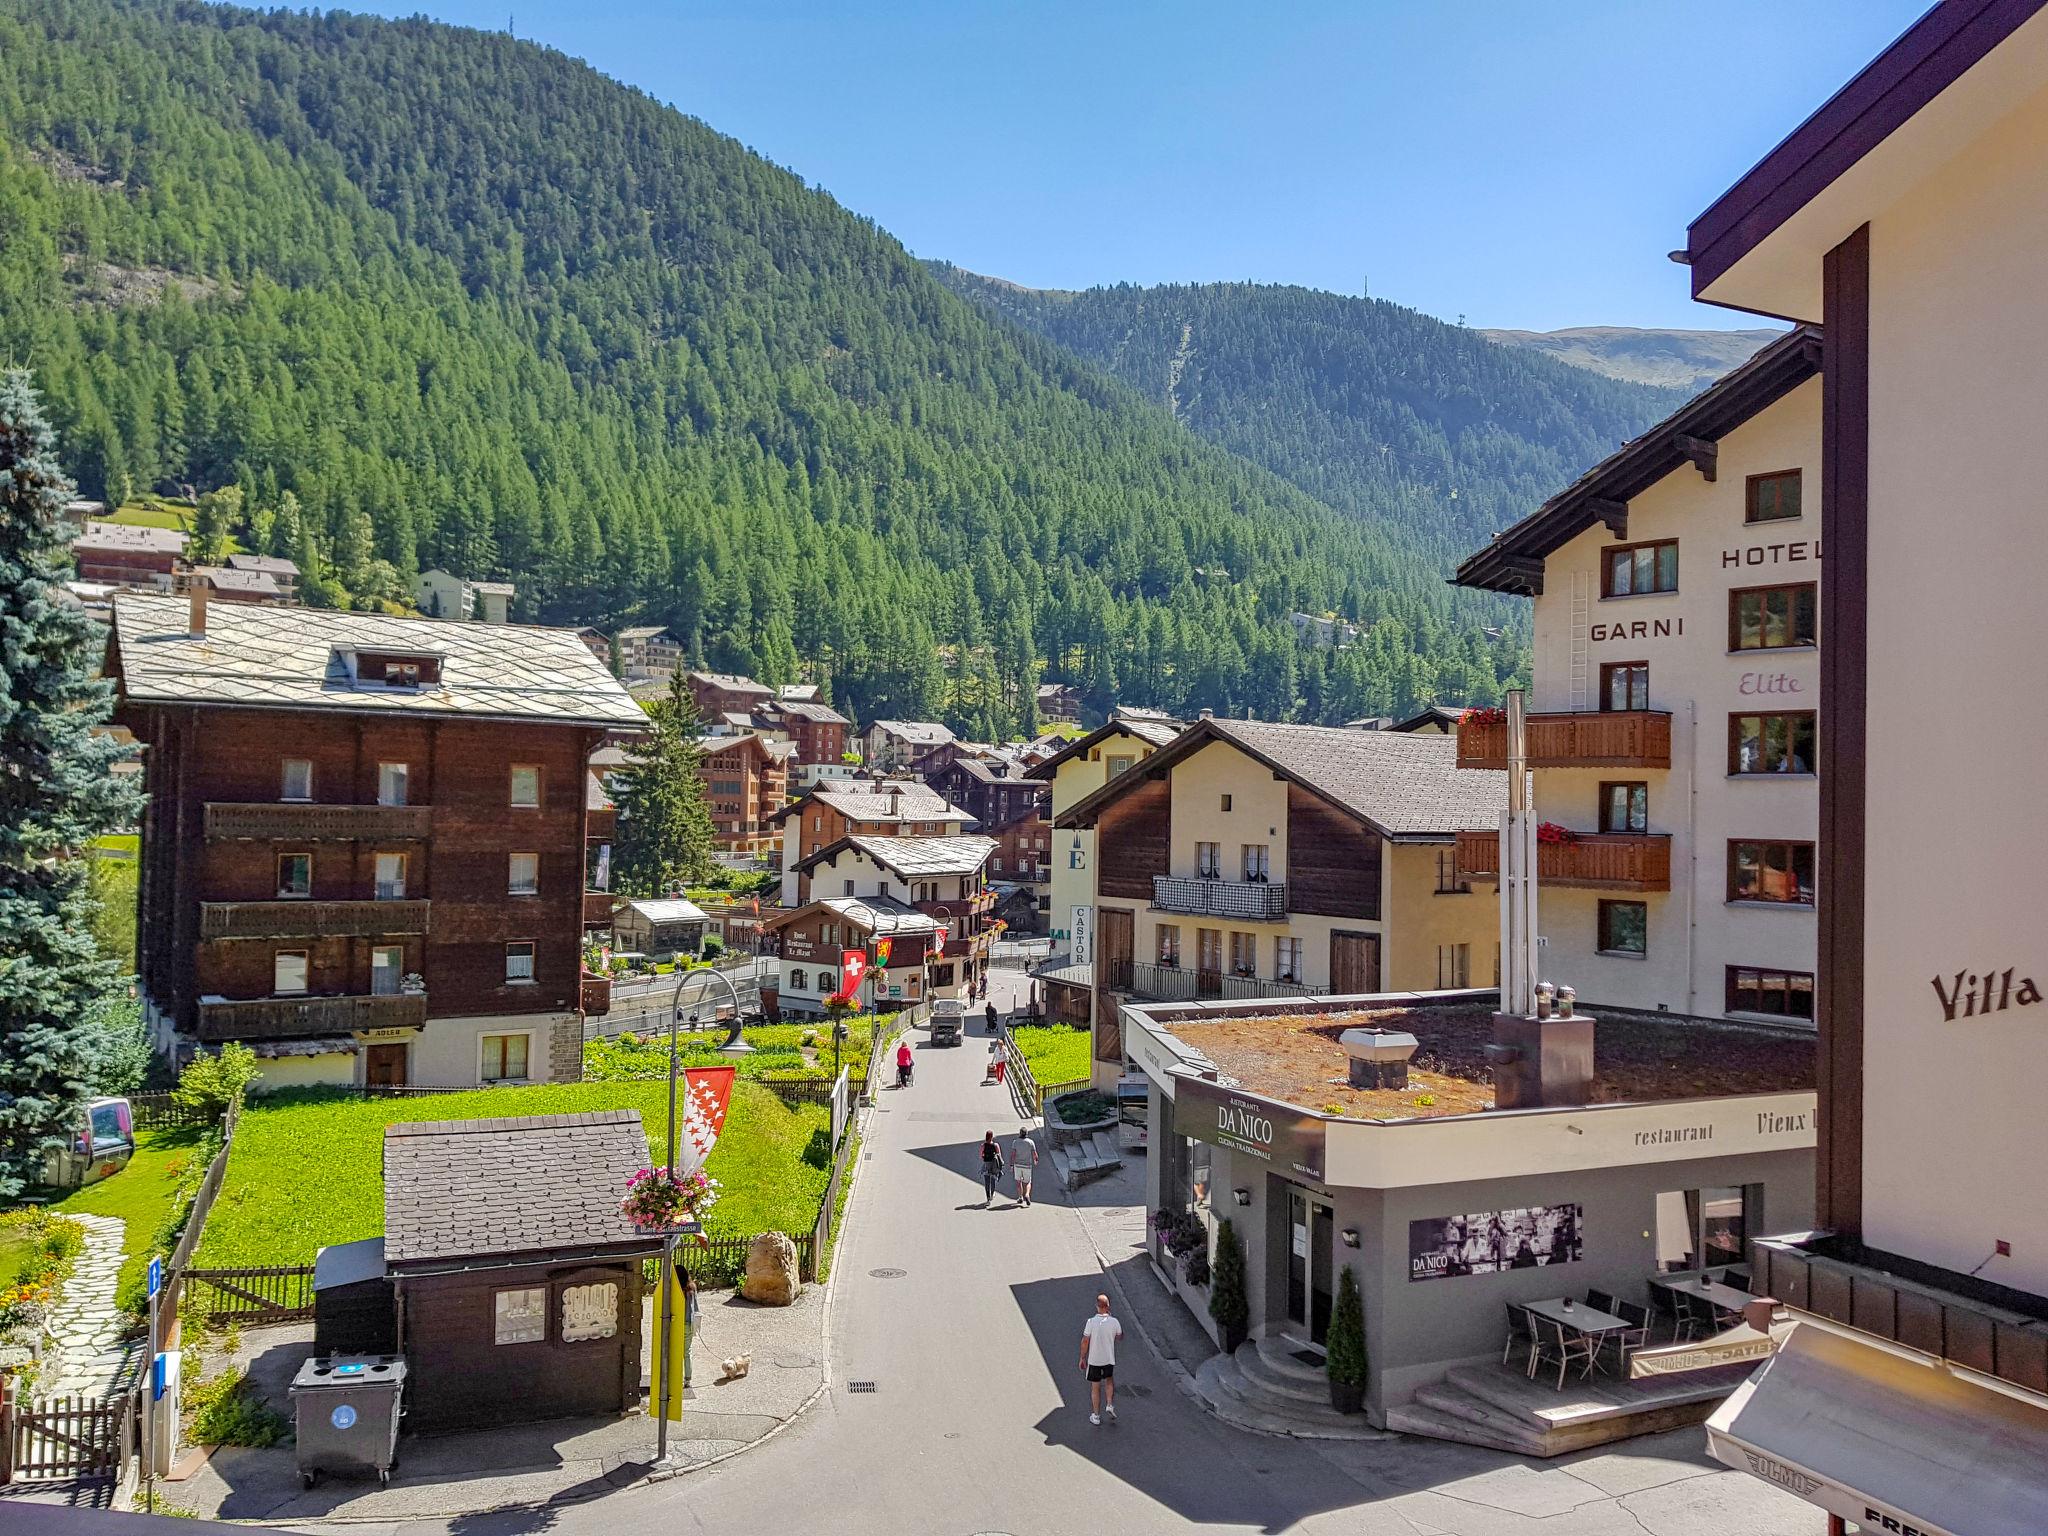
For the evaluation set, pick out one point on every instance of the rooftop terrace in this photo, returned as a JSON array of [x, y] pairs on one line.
[[1295, 1057]]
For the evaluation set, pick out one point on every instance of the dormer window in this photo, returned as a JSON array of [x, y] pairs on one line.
[[394, 669]]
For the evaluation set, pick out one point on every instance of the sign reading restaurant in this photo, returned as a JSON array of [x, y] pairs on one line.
[[1291, 1139]]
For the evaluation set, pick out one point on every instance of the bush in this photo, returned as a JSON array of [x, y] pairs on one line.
[[1085, 1108], [712, 947], [210, 1084], [225, 1412], [1346, 1343], [1228, 1303]]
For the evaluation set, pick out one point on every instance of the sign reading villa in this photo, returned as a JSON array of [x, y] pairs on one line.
[[1990, 993]]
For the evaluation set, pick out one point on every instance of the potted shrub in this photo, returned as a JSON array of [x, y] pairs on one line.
[[1228, 1303], [1346, 1347]]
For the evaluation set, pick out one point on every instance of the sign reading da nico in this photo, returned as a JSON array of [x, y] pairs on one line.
[[1291, 1139]]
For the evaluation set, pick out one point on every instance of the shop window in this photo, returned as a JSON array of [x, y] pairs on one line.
[[520, 1316], [1635, 569], [525, 786], [1624, 807], [519, 962], [297, 779], [1778, 872], [827, 984], [1624, 928], [1706, 1228], [1625, 685], [294, 875], [1774, 618], [799, 981], [504, 1058], [391, 783], [524, 877], [1772, 498], [288, 972], [1775, 743], [1778, 994]]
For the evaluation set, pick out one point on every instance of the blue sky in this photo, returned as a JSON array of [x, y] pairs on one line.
[[1522, 164]]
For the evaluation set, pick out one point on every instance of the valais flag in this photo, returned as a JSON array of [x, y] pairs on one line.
[[853, 965], [706, 1093]]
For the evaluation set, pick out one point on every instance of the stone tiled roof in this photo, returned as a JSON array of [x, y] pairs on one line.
[[461, 1189], [131, 538], [807, 709], [294, 658], [669, 909], [919, 733], [1407, 785], [867, 913], [732, 682], [916, 857], [904, 802], [276, 565]]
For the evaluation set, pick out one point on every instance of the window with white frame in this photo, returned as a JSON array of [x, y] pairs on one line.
[[391, 877], [524, 877], [504, 1058], [1256, 867], [827, 984], [799, 980], [391, 783], [1287, 959], [297, 779], [1208, 861], [294, 875], [288, 972], [519, 961], [525, 786], [387, 970]]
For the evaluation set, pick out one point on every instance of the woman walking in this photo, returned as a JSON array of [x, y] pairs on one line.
[[689, 1322], [991, 1167]]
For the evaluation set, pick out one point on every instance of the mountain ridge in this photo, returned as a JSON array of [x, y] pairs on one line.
[[1669, 358]]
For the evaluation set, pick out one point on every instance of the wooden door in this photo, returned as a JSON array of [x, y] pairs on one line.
[[1114, 939], [1209, 962], [384, 1066], [1354, 963]]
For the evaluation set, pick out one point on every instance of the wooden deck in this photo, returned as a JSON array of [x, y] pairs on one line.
[[1499, 1406]]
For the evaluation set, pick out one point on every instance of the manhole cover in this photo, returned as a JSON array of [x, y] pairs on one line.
[[1137, 1391], [888, 1274], [860, 1386]]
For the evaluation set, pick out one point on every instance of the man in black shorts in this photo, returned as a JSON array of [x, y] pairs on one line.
[[1098, 1359]]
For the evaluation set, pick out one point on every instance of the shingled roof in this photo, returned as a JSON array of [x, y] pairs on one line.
[[468, 1189], [1405, 786], [891, 800], [259, 657]]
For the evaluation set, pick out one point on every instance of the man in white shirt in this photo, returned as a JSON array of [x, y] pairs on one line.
[[1023, 1163], [1098, 1359]]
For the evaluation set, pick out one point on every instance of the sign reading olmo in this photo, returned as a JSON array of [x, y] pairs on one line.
[[1290, 1139]]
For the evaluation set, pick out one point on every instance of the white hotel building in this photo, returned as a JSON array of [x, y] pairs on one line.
[[1676, 688]]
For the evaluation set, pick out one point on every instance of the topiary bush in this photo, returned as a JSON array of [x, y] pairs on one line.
[[1228, 1303], [1345, 1345]]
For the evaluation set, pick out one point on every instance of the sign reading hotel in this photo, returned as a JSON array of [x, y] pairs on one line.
[[1290, 1139]]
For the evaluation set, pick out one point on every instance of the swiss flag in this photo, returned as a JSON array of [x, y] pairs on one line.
[[853, 965], [707, 1091]]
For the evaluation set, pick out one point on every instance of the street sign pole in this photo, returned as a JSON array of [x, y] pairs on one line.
[[149, 1390]]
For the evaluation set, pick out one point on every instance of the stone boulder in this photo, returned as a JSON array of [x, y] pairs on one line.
[[771, 1277]]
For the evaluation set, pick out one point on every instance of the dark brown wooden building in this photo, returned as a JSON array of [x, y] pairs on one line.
[[517, 1280], [365, 845]]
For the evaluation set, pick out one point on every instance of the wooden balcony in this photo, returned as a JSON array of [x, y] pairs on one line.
[[1636, 738], [310, 919], [282, 822], [597, 909], [1598, 861], [594, 994], [290, 1018], [1254, 901]]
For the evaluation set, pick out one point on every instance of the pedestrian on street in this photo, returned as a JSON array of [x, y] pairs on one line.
[[1023, 1162], [991, 1012], [991, 1167], [903, 1065], [689, 1323], [1098, 1360]]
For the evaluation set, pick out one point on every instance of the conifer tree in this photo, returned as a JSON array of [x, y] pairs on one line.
[[57, 794], [665, 839]]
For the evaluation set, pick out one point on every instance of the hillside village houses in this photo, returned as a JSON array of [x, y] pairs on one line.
[[648, 651], [866, 808], [124, 555], [365, 845], [1246, 859], [904, 746], [443, 596], [1906, 217], [1672, 727], [1011, 808]]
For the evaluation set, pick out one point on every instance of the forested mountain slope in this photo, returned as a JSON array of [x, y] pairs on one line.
[[1383, 412], [434, 296], [1687, 360]]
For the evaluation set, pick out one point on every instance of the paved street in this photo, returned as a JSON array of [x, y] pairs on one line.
[[967, 1321]]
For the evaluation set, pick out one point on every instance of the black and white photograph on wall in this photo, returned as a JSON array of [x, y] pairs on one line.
[[1488, 1242]]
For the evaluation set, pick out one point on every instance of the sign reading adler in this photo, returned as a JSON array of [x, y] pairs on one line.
[[1290, 1139], [1488, 1242]]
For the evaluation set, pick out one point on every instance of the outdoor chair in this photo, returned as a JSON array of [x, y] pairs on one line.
[[1521, 1330], [1693, 1314], [1637, 1335], [1568, 1347], [1600, 1301]]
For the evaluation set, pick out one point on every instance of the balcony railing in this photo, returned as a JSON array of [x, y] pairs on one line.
[[310, 919], [300, 1017], [594, 994], [1186, 984], [1256, 901], [1635, 738], [597, 909], [278, 821], [1601, 861]]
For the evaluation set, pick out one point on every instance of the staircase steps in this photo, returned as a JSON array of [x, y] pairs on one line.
[[1503, 1409], [1245, 1389], [1087, 1159]]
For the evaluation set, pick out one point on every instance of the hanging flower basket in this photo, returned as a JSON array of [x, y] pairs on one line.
[[1561, 837], [1484, 715], [656, 1201]]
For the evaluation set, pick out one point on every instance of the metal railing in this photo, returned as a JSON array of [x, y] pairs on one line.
[[1256, 900], [1187, 984]]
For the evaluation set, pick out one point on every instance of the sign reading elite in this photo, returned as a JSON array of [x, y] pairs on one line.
[[1289, 1138]]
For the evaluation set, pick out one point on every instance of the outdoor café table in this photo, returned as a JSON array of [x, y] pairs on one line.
[[1579, 1316], [1725, 1297]]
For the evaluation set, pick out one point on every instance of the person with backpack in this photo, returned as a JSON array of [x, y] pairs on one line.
[[991, 1167]]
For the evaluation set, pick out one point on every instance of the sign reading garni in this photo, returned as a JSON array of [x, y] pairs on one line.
[[1489, 1242], [1288, 1138]]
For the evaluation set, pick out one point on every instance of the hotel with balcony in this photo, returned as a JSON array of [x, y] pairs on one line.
[[1248, 860], [365, 848], [1672, 727]]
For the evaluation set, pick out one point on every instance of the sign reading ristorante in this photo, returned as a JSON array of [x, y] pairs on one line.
[[1290, 1139]]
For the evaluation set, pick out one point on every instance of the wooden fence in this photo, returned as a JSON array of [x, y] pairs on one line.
[[280, 1293], [63, 1437], [161, 1112]]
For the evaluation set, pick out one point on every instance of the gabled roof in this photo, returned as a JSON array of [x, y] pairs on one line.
[[1513, 561], [259, 657], [130, 538], [448, 1196], [709, 745], [732, 682], [669, 909], [1155, 733], [914, 858], [276, 565], [806, 709], [1402, 786], [862, 912], [897, 800], [919, 733], [255, 583], [1436, 714], [644, 632]]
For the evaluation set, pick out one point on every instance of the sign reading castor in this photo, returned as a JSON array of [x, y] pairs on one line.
[[1291, 1139]]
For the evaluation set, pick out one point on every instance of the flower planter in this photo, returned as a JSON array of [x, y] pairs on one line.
[[1347, 1396]]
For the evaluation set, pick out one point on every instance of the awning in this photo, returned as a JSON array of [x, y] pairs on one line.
[[1890, 1439], [1732, 1347]]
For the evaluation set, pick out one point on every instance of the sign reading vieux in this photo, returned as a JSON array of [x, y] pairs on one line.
[[1291, 1139]]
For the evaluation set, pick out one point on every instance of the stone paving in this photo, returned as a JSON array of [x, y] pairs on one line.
[[88, 1356]]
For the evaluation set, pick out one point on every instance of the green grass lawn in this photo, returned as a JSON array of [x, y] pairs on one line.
[[169, 514], [306, 1169], [140, 1194], [1056, 1053]]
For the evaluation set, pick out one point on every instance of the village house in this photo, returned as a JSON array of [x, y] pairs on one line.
[[228, 586], [120, 555], [364, 851], [864, 808], [811, 942], [818, 731], [1059, 704], [904, 746], [727, 693], [746, 779], [1249, 860], [285, 573], [1015, 811], [659, 927], [600, 831], [598, 641], [1672, 722], [440, 595], [1323, 631], [648, 650], [1906, 217]]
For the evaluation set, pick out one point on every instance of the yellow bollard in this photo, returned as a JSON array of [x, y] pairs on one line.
[[671, 1379]]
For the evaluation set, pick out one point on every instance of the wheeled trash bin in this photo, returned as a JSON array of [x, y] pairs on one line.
[[348, 1407]]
